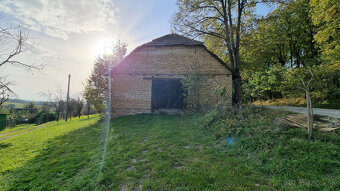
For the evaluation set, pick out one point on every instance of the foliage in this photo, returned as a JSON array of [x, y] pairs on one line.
[[96, 89], [265, 84], [43, 117], [96, 85], [221, 21], [287, 37], [325, 14], [192, 84], [31, 108], [57, 102], [325, 86], [284, 36]]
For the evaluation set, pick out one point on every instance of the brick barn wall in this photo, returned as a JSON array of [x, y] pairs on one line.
[[130, 95], [131, 88]]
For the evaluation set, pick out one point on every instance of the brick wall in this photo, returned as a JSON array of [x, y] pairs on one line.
[[131, 88]]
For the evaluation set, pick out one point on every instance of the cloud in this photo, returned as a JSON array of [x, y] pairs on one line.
[[60, 18]]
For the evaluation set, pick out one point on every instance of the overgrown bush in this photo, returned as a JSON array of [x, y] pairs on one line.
[[192, 85], [43, 117], [227, 121], [279, 82]]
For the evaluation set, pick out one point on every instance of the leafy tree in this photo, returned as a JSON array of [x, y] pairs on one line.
[[95, 92], [286, 36], [214, 18], [325, 14], [11, 107], [96, 84], [31, 108], [283, 37], [221, 20], [266, 84]]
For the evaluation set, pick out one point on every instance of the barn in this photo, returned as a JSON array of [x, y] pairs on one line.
[[150, 78]]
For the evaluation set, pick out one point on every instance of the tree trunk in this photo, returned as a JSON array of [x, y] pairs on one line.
[[237, 97], [309, 114]]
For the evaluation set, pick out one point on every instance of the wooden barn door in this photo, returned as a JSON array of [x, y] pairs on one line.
[[167, 94]]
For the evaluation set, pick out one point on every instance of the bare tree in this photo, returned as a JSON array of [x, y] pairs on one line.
[[5, 90], [305, 85], [88, 108], [13, 42], [59, 103], [220, 19], [79, 106], [56, 101], [72, 108]]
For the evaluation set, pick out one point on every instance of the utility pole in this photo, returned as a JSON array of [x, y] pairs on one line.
[[109, 93], [68, 96]]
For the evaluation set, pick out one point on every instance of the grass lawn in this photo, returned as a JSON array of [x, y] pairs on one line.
[[147, 152]]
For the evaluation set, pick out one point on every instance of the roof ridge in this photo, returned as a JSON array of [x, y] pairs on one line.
[[173, 39]]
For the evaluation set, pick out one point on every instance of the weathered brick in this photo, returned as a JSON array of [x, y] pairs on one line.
[[131, 88]]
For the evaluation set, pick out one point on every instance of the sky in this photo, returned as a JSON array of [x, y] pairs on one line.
[[67, 35]]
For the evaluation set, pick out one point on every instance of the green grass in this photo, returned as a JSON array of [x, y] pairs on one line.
[[169, 153], [18, 129]]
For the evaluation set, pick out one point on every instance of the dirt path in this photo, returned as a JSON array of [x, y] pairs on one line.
[[9, 132], [324, 112], [2, 139]]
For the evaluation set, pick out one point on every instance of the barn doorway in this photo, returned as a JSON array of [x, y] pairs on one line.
[[167, 94]]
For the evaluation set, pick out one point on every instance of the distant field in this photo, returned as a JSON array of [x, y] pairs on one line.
[[17, 105], [20, 103], [148, 152]]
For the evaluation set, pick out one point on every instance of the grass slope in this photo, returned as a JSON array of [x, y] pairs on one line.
[[147, 152]]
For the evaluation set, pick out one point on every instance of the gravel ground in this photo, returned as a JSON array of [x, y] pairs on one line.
[[324, 112]]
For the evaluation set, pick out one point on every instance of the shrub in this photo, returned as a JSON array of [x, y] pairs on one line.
[[43, 117], [226, 121]]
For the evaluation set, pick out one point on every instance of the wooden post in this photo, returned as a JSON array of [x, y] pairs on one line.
[[309, 114], [68, 96]]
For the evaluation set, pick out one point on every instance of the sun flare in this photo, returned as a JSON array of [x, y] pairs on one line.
[[103, 46]]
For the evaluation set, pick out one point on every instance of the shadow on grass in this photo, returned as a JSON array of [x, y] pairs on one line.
[[69, 162], [5, 145]]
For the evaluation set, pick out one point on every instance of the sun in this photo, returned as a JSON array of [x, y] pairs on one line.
[[103, 46]]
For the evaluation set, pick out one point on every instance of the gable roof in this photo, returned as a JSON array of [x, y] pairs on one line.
[[173, 40]]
